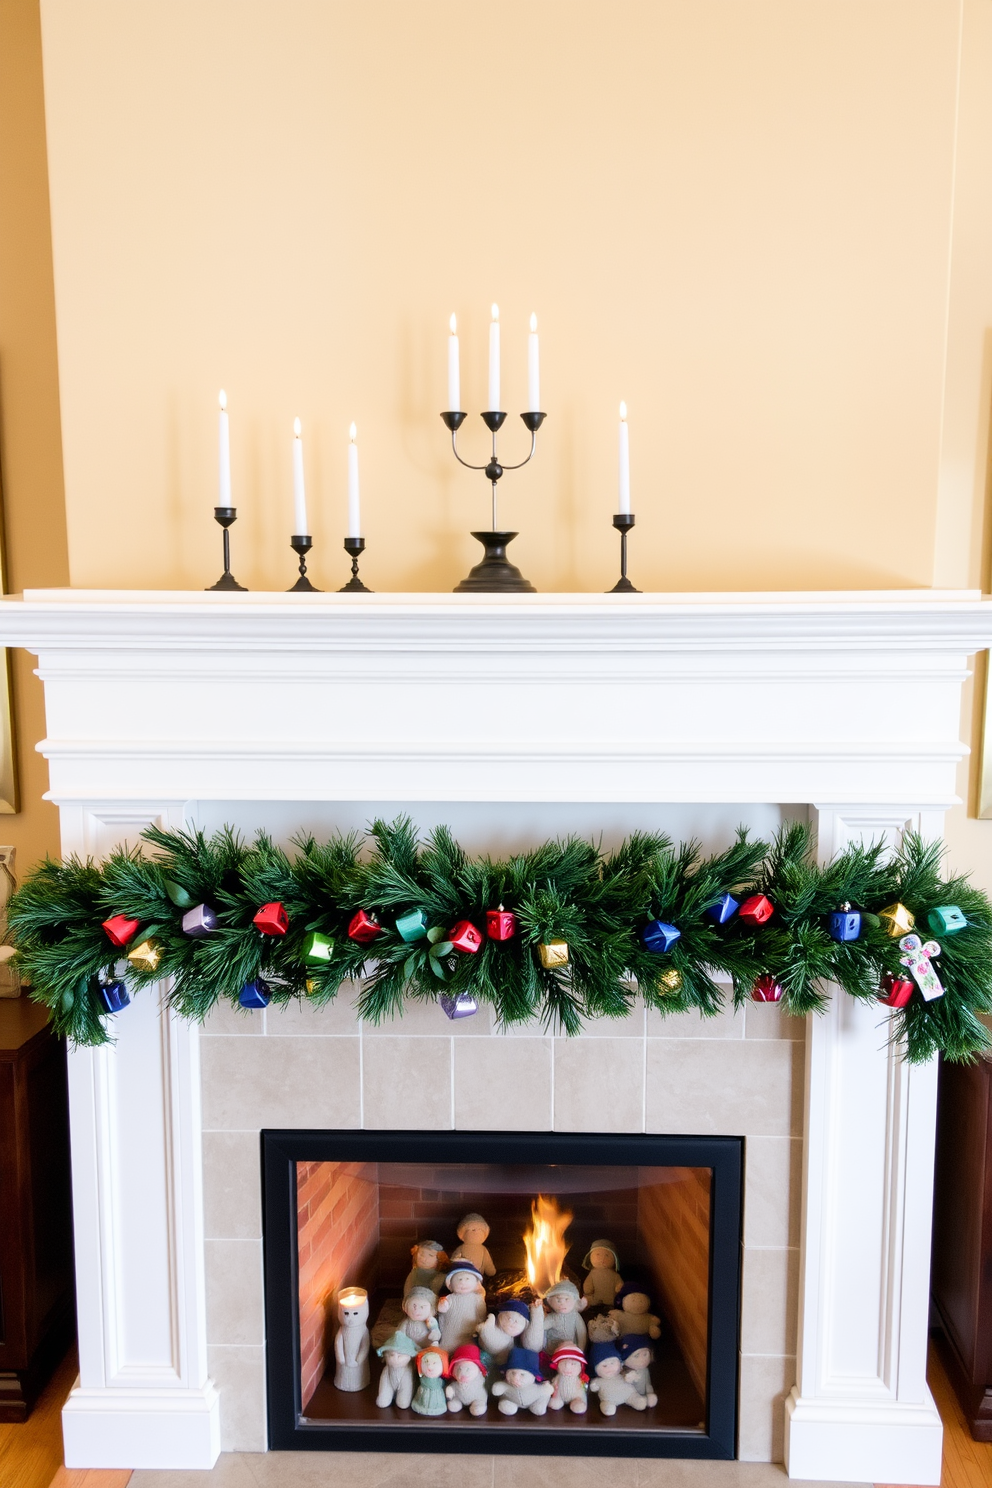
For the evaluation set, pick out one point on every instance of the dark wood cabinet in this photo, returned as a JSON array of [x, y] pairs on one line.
[[962, 1236], [37, 1314]]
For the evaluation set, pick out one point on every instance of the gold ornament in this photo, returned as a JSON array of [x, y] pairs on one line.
[[146, 956], [553, 953], [311, 986], [670, 981], [897, 920]]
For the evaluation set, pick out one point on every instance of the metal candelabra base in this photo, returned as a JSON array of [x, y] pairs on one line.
[[301, 544], [495, 574], [623, 585], [224, 516], [353, 546]]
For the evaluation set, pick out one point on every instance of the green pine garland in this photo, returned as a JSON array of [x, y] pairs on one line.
[[565, 890]]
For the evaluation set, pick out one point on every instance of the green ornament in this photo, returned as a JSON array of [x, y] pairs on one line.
[[946, 919], [318, 947], [412, 926], [180, 898]]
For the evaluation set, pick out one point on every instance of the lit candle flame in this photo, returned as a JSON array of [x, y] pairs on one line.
[[533, 321], [495, 312], [623, 412], [352, 433], [297, 428], [544, 1243], [223, 400], [352, 1296], [453, 324]]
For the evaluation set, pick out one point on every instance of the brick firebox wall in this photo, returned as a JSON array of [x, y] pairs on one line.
[[675, 1224]]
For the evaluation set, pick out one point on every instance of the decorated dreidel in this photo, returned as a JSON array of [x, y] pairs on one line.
[[895, 991], [570, 1381], [428, 1257], [634, 1313], [363, 927], [420, 1324], [756, 910], [413, 926], [603, 1281], [553, 953], [501, 924], [659, 936], [465, 937], [896, 920], [638, 1356], [473, 1232], [766, 989], [317, 947], [523, 1386], [844, 924], [462, 1006], [464, 1308], [255, 994], [947, 919], [468, 1381], [564, 1323], [916, 954], [120, 929], [114, 994], [724, 909], [352, 1340], [272, 919], [199, 922], [609, 1385], [146, 956], [396, 1381], [432, 1367]]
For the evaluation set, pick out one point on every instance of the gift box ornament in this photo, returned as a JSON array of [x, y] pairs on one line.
[[896, 920], [916, 954], [272, 919], [724, 909], [114, 996], [462, 1006], [946, 920], [756, 910], [845, 924], [255, 994], [120, 929], [766, 989], [146, 956], [317, 947], [501, 924], [412, 926], [465, 937], [658, 936], [553, 953], [199, 922], [895, 991], [363, 927], [670, 982]]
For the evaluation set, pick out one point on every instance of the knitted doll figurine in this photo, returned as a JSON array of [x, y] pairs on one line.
[[633, 1314], [603, 1282], [637, 1355], [609, 1384], [432, 1366], [420, 1324], [569, 1365], [428, 1258], [522, 1387], [464, 1308], [515, 1320], [473, 1232], [602, 1329], [468, 1387], [563, 1323], [396, 1381], [352, 1341]]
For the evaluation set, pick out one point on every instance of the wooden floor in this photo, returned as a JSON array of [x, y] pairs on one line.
[[31, 1454]]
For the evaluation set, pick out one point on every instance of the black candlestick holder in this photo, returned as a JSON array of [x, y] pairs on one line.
[[225, 516], [623, 524], [301, 544], [495, 574], [353, 546]]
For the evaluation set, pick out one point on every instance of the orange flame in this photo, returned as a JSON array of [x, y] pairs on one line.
[[545, 1244]]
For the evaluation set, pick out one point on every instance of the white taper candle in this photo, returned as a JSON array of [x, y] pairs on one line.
[[300, 528], [354, 507], [533, 369], [224, 448], [454, 372], [494, 361], [623, 508]]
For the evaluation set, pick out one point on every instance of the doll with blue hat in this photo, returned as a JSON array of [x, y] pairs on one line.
[[522, 1386], [609, 1385], [603, 1282], [634, 1313], [513, 1323], [464, 1308], [563, 1323], [637, 1355], [396, 1381]]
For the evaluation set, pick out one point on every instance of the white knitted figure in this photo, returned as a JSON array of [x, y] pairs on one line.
[[352, 1340], [473, 1232], [570, 1379], [563, 1323], [522, 1387], [420, 1324], [461, 1312], [603, 1282], [637, 1356], [609, 1385], [396, 1381], [634, 1315], [428, 1260], [468, 1381]]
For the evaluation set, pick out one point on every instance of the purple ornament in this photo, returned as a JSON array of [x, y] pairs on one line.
[[199, 921], [462, 1006], [114, 995], [255, 994], [659, 936]]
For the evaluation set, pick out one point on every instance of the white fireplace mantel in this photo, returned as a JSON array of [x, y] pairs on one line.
[[846, 703]]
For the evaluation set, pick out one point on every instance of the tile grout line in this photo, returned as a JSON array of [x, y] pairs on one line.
[[451, 1078]]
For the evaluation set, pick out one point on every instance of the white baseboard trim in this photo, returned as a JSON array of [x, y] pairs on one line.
[[142, 1428], [850, 1441]]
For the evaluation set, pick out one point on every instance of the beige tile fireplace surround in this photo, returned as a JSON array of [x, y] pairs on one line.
[[575, 713]]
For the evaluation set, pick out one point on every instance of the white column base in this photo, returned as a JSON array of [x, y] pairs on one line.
[[142, 1428], [855, 1442]]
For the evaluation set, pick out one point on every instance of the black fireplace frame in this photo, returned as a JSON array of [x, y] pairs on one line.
[[289, 1430]]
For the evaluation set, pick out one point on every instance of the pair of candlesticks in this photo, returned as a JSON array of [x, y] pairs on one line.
[[301, 543]]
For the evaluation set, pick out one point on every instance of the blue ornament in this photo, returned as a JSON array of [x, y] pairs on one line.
[[412, 926], [845, 924], [946, 919], [114, 996], [724, 909], [659, 937], [255, 994]]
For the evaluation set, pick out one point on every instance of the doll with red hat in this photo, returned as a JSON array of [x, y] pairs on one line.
[[468, 1381], [432, 1367], [569, 1364]]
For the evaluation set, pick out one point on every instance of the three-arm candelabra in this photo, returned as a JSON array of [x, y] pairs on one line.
[[495, 574]]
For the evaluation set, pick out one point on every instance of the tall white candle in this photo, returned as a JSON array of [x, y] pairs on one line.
[[533, 369], [494, 361], [623, 508], [354, 508], [454, 373], [224, 446], [300, 528]]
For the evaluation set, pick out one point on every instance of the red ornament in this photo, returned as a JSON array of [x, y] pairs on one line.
[[766, 989], [756, 910], [465, 937], [272, 919], [501, 924], [363, 927], [121, 929], [895, 991]]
